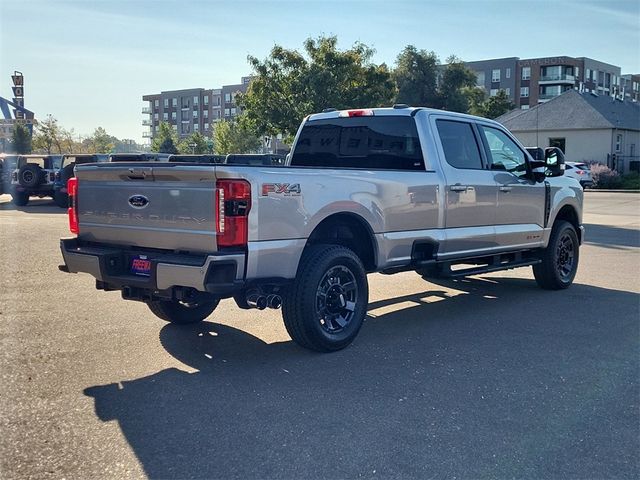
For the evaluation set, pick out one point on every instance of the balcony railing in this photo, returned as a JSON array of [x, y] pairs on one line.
[[146, 135], [558, 78], [146, 110], [547, 96], [147, 123]]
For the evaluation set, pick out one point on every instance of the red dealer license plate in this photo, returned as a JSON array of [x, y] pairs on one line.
[[141, 265]]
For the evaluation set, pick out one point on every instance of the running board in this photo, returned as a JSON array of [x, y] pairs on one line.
[[447, 272]]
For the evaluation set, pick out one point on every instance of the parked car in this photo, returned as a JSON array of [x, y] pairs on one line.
[[581, 172], [66, 171], [372, 190], [197, 158], [33, 175]]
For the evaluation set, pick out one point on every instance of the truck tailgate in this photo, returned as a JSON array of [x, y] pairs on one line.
[[166, 206]]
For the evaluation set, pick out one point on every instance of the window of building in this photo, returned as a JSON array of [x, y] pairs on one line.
[[495, 75], [218, 101], [524, 107], [480, 79], [174, 102], [166, 103], [165, 116], [508, 91], [196, 127], [196, 100], [619, 143], [504, 154], [219, 114], [493, 92], [206, 126], [227, 112], [526, 73], [233, 111], [185, 128], [156, 116], [195, 114], [173, 115], [507, 73], [227, 97], [595, 76], [524, 92], [459, 144], [205, 114], [559, 142], [577, 72], [206, 99], [156, 103], [175, 127]]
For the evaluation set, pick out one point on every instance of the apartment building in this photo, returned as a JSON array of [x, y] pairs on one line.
[[191, 110], [630, 87], [537, 80]]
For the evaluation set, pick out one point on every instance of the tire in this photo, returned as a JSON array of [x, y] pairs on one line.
[[325, 307], [20, 198], [30, 175], [560, 258], [61, 199], [179, 313]]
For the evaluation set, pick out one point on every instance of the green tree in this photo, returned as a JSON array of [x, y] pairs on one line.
[[475, 100], [166, 139], [21, 139], [455, 78], [288, 85], [100, 142], [195, 143], [48, 136], [415, 77], [498, 105], [234, 136]]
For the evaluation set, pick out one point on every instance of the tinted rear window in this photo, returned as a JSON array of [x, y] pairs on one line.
[[376, 143]]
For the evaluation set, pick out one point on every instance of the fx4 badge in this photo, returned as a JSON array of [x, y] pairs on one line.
[[286, 189]]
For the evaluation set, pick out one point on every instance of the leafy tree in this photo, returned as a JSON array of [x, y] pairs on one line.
[[21, 139], [100, 142], [498, 105], [475, 100], [288, 85], [48, 136], [455, 78], [196, 139], [166, 139], [415, 77], [234, 136]]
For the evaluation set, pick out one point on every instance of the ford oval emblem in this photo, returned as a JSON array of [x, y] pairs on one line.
[[138, 201]]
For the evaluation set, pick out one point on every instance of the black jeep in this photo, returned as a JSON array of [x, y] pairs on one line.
[[65, 172], [33, 175]]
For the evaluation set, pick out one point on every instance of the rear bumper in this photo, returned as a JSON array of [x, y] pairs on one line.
[[220, 274]]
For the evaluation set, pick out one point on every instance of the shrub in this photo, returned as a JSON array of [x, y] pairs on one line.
[[631, 181], [604, 177]]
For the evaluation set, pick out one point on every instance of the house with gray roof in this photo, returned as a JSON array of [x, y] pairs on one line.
[[586, 126]]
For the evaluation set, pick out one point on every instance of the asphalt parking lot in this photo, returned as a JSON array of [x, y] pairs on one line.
[[489, 377]]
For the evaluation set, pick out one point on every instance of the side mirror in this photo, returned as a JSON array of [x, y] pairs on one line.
[[554, 162]]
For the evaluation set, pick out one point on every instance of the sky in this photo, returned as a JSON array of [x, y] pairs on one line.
[[88, 63]]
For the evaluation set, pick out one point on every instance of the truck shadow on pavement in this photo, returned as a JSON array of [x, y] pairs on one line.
[[35, 205], [612, 237], [497, 379]]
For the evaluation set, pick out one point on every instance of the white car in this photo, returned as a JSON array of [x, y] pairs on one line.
[[579, 171]]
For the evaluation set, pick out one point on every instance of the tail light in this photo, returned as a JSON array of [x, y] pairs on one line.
[[580, 172], [233, 202], [72, 211]]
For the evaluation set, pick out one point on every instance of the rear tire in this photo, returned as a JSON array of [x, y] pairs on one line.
[[560, 259], [61, 199], [20, 198], [180, 313], [325, 307]]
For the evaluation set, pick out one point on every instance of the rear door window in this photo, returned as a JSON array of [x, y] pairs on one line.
[[459, 144], [374, 143]]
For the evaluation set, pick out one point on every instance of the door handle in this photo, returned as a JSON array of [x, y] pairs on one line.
[[506, 189], [458, 188]]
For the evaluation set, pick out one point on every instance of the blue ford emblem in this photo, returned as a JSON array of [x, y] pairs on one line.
[[138, 201]]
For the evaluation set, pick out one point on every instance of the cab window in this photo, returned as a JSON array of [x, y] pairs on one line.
[[503, 153], [459, 144]]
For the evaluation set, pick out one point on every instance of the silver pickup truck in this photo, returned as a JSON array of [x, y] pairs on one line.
[[375, 190]]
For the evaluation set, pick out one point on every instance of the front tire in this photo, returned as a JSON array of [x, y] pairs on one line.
[[182, 313], [20, 199], [560, 259], [325, 307]]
